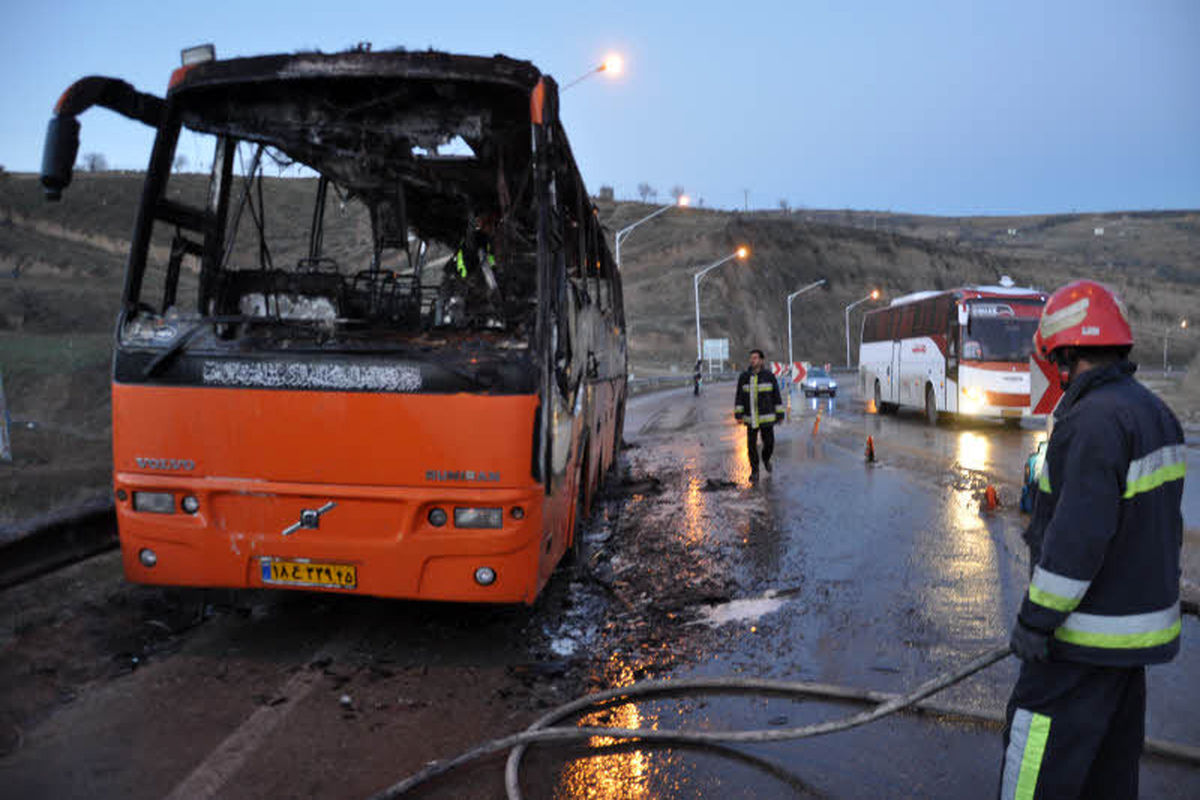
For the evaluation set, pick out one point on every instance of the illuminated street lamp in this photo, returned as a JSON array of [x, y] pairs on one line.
[[790, 297], [874, 295], [742, 253], [612, 64], [1166, 331], [622, 234]]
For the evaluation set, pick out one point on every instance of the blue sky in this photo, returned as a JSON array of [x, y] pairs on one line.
[[927, 107]]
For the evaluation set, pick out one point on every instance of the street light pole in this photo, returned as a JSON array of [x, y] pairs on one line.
[[628, 229], [790, 297], [872, 296], [1166, 332], [742, 253]]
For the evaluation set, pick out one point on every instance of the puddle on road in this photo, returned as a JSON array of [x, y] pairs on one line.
[[750, 609]]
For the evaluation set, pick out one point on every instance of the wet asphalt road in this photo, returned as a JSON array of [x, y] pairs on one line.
[[883, 577]]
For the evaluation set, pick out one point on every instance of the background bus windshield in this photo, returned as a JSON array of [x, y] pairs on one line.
[[999, 338]]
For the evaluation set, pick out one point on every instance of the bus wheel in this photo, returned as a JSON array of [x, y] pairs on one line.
[[931, 410], [574, 554], [880, 406]]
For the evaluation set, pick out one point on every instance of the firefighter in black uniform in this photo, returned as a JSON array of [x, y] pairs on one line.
[[1104, 540], [758, 405]]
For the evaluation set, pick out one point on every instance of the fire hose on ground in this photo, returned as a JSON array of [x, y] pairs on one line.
[[885, 704]]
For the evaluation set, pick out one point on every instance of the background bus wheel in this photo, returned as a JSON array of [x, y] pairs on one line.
[[880, 406], [931, 410]]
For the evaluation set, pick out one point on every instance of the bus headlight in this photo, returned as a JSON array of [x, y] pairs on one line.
[[973, 398], [478, 517], [154, 502]]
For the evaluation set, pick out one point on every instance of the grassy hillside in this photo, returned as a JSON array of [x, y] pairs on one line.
[[61, 268], [746, 302]]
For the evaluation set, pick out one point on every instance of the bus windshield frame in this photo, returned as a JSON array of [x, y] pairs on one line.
[[1000, 330]]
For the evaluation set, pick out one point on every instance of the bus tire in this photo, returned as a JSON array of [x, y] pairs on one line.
[[880, 406], [574, 553], [618, 434], [931, 409]]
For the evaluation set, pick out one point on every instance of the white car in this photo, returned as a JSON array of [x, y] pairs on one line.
[[817, 382]]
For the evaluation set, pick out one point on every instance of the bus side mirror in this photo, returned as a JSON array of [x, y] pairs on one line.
[[58, 155]]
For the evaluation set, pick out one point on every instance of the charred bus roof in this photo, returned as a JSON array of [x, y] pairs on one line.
[[376, 122], [400, 65]]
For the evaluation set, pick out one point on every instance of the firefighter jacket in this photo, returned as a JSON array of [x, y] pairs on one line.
[[1107, 530], [757, 401]]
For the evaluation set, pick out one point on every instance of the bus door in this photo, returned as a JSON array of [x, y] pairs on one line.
[[895, 383], [951, 382]]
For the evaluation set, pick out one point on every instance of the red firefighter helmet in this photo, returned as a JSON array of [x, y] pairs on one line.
[[1082, 314]]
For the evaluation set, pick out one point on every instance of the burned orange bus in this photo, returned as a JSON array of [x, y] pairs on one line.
[[396, 366]]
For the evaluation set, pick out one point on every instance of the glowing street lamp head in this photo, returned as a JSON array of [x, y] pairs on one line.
[[742, 252], [683, 201], [874, 294], [613, 64], [1183, 323]]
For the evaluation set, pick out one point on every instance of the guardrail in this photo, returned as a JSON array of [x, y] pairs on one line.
[[659, 382], [52, 540]]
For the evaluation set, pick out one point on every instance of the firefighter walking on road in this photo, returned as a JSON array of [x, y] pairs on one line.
[[1104, 540], [758, 405]]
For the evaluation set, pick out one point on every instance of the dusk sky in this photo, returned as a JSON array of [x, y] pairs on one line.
[[952, 107]]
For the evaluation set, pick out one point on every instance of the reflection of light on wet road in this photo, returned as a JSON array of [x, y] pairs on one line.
[[693, 507], [735, 434], [963, 560], [617, 775], [973, 450]]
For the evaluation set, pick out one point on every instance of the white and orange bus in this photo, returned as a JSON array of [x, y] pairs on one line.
[[395, 368], [964, 351]]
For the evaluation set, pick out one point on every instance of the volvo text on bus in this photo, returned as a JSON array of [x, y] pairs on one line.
[[964, 351], [378, 347]]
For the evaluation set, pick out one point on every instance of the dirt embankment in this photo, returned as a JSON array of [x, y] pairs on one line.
[[746, 302]]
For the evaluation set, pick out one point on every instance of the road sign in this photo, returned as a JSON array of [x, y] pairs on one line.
[[800, 369], [1045, 390], [779, 368], [716, 349]]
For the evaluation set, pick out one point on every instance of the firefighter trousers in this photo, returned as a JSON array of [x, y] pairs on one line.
[[1074, 731], [768, 444]]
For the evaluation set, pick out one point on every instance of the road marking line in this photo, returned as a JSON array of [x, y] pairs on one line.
[[226, 760]]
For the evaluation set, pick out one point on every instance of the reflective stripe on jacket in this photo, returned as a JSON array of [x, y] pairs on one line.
[[757, 401], [1107, 529]]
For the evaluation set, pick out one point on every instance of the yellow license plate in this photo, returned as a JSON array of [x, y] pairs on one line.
[[1011, 412], [302, 572]]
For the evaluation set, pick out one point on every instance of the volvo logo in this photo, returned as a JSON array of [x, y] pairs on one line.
[[310, 519], [168, 464]]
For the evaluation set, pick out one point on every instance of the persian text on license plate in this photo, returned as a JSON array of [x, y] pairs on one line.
[[302, 572]]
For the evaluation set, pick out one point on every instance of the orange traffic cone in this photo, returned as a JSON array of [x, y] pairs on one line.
[[870, 450], [990, 501], [816, 423]]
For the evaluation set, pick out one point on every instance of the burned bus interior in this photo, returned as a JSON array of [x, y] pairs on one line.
[[402, 209]]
